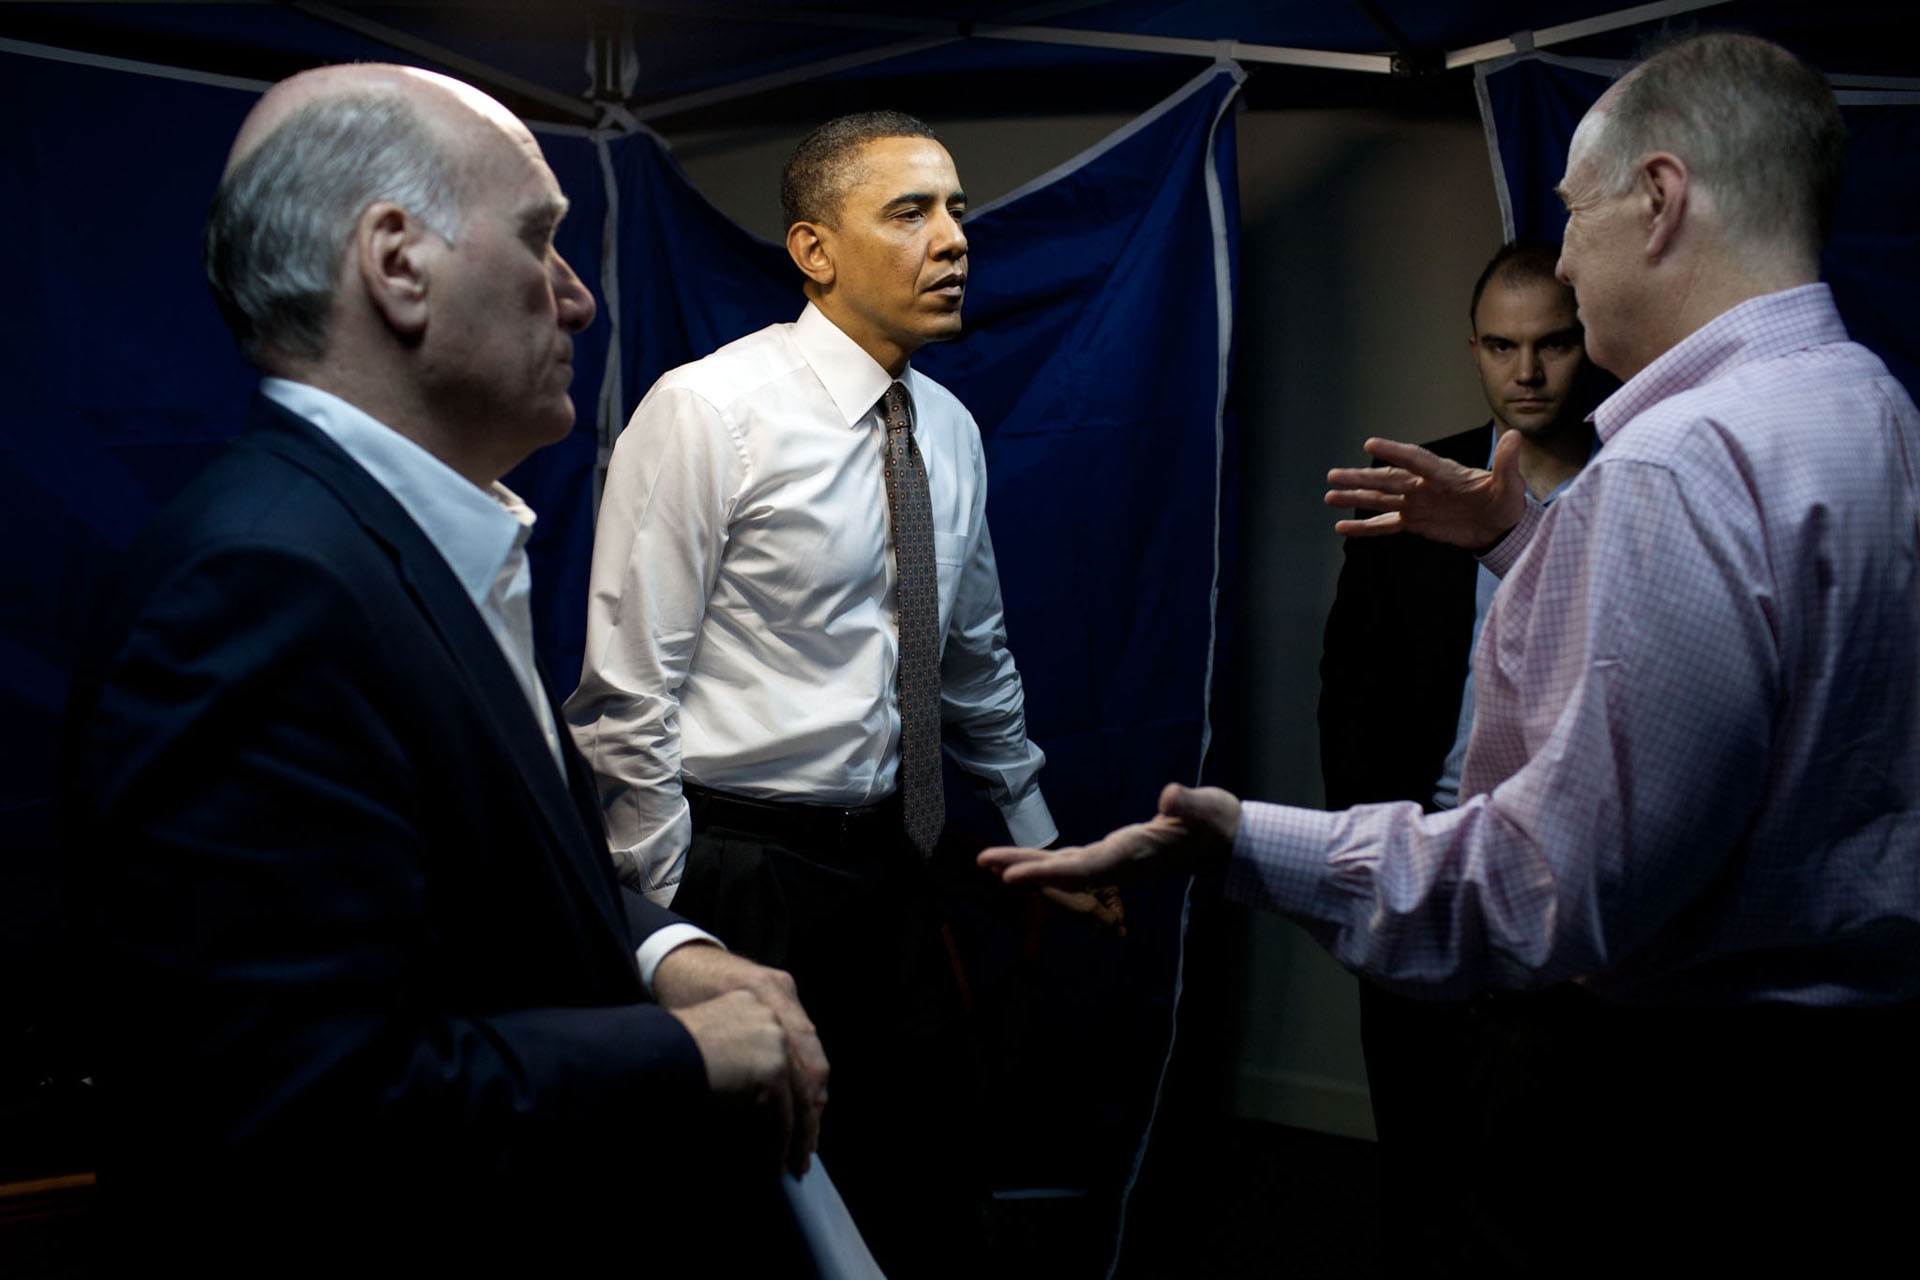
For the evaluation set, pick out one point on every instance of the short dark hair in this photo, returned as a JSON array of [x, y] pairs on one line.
[[1519, 263], [822, 167], [1758, 127]]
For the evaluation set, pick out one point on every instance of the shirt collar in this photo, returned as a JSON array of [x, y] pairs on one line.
[[1758, 329], [854, 380], [474, 530]]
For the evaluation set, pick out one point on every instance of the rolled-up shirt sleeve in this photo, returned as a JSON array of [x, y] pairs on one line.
[[672, 483], [1619, 755], [983, 703]]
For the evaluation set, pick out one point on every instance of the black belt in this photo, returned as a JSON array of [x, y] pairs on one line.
[[820, 825]]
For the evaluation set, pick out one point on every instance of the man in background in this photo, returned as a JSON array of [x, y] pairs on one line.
[[369, 989], [1422, 1054], [794, 604], [1693, 782]]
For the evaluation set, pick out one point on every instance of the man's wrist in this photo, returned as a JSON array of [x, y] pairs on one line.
[[662, 943]]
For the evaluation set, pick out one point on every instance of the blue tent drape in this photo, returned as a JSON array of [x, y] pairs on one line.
[[1531, 104], [1099, 329]]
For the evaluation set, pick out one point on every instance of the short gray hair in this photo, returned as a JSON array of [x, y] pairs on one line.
[[1757, 127], [283, 216]]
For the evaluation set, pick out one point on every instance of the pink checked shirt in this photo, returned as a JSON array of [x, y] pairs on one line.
[[1695, 765]]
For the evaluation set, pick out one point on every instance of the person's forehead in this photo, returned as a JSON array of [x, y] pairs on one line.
[[508, 162], [889, 166], [1531, 308]]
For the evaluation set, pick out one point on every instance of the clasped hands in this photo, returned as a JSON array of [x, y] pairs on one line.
[[759, 1046]]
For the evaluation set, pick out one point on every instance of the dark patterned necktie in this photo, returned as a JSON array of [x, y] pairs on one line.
[[917, 612]]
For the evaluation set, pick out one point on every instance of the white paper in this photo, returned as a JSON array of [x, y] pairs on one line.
[[835, 1243]]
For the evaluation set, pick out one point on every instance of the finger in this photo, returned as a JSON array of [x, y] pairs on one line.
[[779, 993], [784, 1103], [1062, 870], [1506, 456], [1410, 457], [1386, 479], [804, 1136], [1365, 499], [1173, 799], [1372, 527], [1000, 857]]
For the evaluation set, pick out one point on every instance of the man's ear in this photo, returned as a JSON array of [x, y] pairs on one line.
[[810, 245], [1662, 183], [390, 251]]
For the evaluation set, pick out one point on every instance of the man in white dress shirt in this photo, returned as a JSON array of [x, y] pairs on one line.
[[749, 663]]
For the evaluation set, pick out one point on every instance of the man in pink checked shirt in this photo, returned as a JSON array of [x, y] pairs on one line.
[[1693, 782]]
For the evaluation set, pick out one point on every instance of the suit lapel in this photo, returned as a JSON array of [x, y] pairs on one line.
[[498, 699]]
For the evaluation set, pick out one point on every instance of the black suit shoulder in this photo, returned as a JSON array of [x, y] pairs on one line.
[[1395, 657]]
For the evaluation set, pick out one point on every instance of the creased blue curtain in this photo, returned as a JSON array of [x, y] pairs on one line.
[[120, 384], [117, 382], [1873, 260], [1091, 361]]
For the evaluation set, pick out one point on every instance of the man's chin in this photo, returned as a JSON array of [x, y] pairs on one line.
[[1531, 424], [943, 328]]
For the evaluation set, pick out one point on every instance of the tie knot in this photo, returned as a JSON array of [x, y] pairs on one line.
[[893, 407]]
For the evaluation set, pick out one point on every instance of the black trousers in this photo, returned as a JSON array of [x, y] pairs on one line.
[[842, 901]]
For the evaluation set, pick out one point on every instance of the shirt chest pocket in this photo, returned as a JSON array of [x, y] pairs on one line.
[[949, 558], [949, 550]]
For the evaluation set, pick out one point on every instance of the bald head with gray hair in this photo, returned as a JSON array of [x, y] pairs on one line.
[[286, 209], [1758, 128]]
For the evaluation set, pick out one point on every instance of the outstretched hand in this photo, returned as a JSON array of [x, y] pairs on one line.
[[1191, 835], [1423, 493]]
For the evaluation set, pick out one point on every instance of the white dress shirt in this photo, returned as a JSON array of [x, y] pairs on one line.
[[482, 535], [740, 626]]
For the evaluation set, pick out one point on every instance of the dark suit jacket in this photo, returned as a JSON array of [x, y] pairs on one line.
[[1398, 642], [362, 952]]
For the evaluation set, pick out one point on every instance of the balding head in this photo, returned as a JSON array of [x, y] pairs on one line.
[[1757, 128], [312, 155]]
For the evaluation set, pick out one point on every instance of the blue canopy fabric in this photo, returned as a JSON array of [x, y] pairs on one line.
[[1099, 326], [1093, 360], [1532, 102]]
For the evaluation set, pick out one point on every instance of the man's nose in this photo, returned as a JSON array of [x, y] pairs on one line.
[[572, 299], [950, 239], [1529, 370]]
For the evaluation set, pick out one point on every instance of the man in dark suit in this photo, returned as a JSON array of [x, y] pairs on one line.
[[366, 975], [1422, 1056]]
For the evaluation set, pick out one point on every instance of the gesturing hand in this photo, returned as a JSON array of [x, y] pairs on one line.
[[1191, 835], [694, 980], [1420, 492]]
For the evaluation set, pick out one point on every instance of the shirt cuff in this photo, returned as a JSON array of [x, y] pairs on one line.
[[662, 940], [1030, 822], [1506, 553], [1279, 857]]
